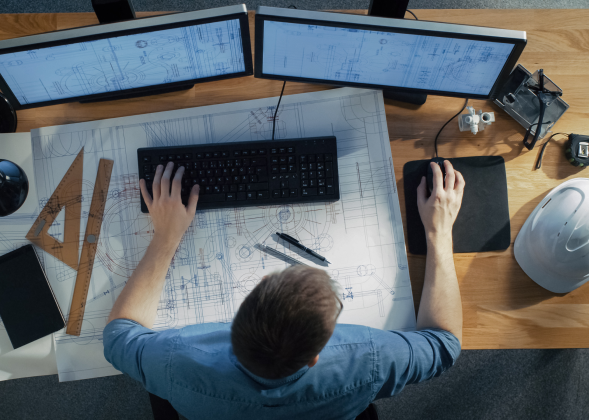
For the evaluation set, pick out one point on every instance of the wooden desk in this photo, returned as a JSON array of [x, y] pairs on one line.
[[502, 307]]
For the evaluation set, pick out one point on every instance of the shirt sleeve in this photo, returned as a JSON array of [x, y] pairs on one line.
[[404, 358], [141, 353]]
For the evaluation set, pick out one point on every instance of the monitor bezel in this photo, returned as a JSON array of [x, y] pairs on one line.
[[246, 45], [387, 25]]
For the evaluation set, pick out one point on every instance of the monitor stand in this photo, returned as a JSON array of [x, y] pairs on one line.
[[395, 9], [110, 11]]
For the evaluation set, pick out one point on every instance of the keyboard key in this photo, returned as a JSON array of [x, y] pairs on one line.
[[276, 193], [320, 166], [230, 196], [262, 152], [237, 153], [225, 154], [261, 171], [274, 160], [321, 191], [208, 155], [257, 187], [216, 189], [321, 182], [188, 156], [241, 196], [303, 159], [330, 190], [163, 158], [251, 195], [311, 166], [262, 194], [199, 155], [303, 167], [225, 188], [245, 152], [273, 151], [274, 169], [320, 158], [253, 178], [241, 188], [303, 175], [233, 188], [311, 158], [330, 182], [284, 193], [253, 152], [291, 168], [212, 198], [309, 192], [290, 150], [313, 183], [283, 160], [284, 184], [216, 154], [282, 150], [321, 174], [312, 174], [291, 159], [304, 183], [328, 157], [329, 173], [147, 159], [293, 192]]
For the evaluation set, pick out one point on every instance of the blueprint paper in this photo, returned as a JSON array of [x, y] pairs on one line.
[[124, 62], [217, 263], [382, 58]]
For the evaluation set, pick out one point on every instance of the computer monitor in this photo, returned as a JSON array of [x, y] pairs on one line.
[[374, 52], [131, 57]]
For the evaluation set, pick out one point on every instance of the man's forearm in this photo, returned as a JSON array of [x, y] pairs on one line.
[[440, 305], [139, 299]]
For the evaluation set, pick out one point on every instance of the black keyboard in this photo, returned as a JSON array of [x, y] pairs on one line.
[[253, 173]]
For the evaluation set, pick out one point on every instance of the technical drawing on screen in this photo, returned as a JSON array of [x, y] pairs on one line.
[[124, 62], [382, 58]]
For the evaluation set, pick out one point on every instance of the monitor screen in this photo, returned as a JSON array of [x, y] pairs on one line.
[[115, 62], [346, 53]]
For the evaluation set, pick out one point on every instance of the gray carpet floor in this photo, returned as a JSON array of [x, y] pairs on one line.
[[56, 6], [484, 384]]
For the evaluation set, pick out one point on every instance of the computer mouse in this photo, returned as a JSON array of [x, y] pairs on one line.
[[430, 175]]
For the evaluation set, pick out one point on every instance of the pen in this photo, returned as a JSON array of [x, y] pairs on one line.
[[279, 255], [297, 244]]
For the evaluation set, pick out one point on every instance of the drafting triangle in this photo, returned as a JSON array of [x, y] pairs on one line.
[[68, 194], [56, 229]]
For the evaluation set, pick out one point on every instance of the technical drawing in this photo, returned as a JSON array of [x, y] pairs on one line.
[[124, 62], [382, 58], [217, 263]]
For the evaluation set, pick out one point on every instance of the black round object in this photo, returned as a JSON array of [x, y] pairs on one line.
[[14, 187], [7, 116]]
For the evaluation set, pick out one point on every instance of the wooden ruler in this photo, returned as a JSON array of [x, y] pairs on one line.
[[68, 194], [90, 243]]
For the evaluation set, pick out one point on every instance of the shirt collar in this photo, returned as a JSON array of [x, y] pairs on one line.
[[271, 383]]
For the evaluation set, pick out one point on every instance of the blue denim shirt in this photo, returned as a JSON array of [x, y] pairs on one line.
[[196, 370]]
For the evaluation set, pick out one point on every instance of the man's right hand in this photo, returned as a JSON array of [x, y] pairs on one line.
[[439, 211]]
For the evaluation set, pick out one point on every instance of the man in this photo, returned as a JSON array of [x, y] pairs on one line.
[[284, 357]]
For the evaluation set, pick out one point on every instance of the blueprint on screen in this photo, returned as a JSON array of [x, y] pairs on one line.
[[217, 264], [382, 58], [124, 62]]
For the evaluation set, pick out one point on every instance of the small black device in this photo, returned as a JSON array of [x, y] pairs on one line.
[[430, 175], [134, 57], [28, 307], [576, 150], [298, 244], [14, 187], [109, 11], [250, 173], [7, 116]]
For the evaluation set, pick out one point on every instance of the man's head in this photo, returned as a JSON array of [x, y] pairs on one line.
[[284, 323]]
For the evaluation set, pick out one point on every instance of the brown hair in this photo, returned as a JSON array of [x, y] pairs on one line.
[[285, 321]]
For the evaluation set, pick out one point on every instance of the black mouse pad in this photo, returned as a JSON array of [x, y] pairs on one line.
[[483, 223]]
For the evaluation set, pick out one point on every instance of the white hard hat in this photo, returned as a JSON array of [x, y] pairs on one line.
[[552, 246]]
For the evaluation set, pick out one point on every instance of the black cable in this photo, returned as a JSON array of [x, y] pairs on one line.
[[274, 119], [440, 131], [412, 13], [540, 158]]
